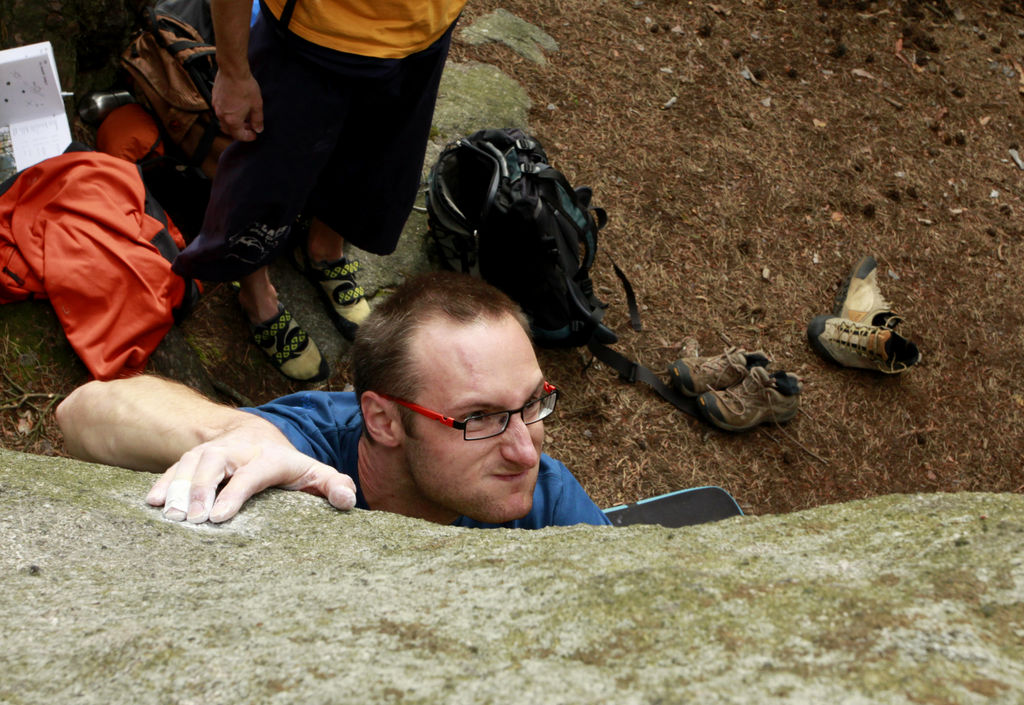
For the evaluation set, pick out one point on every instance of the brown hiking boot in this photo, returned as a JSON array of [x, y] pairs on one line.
[[860, 299], [762, 397], [860, 345], [693, 376]]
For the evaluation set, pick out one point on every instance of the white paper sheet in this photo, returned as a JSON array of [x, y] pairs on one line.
[[33, 124]]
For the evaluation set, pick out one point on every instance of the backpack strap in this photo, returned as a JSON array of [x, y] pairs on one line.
[[500, 169], [205, 143], [286, 13], [581, 198], [584, 195], [634, 310], [631, 372], [179, 45], [567, 258], [165, 245]]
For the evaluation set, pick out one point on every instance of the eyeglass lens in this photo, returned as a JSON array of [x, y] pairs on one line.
[[489, 425]]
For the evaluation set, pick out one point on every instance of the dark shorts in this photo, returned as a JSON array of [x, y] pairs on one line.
[[344, 140]]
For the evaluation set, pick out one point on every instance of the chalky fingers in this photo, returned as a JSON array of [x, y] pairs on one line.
[[214, 466], [172, 489], [188, 488]]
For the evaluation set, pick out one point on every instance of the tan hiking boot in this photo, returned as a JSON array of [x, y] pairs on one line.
[[692, 376], [763, 397], [860, 299], [863, 346]]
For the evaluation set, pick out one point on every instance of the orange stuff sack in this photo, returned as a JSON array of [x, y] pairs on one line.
[[130, 133]]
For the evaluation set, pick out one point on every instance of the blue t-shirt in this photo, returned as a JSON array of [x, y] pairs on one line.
[[327, 426]]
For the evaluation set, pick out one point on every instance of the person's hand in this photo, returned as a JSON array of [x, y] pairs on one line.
[[188, 489], [238, 104]]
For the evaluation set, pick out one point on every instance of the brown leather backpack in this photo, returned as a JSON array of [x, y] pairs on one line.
[[172, 63]]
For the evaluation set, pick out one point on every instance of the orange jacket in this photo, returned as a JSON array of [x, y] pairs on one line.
[[76, 229]]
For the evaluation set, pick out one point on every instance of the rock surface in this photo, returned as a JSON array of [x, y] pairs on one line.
[[527, 40], [899, 599], [87, 36]]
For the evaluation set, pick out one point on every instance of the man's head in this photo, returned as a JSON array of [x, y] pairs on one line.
[[454, 345], [382, 356]]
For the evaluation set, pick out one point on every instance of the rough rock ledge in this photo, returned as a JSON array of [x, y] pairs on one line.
[[898, 599]]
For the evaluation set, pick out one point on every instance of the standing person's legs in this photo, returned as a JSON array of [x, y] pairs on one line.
[[261, 186], [319, 255], [259, 189], [324, 244], [366, 191], [258, 297]]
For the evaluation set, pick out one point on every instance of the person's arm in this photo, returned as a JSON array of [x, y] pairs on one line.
[[142, 423], [148, 423], [237, 100]]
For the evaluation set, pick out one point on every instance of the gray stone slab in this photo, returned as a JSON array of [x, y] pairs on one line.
[[474, 96], [527, 40], [900, 599]]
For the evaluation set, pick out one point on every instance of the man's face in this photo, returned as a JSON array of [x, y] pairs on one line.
[[483, 367]]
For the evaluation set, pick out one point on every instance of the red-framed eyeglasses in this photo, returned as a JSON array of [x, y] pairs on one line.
[[477, 427]]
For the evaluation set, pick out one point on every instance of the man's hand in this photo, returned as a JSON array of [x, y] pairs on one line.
[[236, 99], [238, 103], [188, 490], [149, 423]]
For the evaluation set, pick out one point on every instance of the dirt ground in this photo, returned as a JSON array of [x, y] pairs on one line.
[[748, 153]]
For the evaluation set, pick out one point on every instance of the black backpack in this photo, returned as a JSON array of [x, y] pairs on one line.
[[497, 209]]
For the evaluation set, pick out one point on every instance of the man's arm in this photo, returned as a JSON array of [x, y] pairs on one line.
[[148, 423], [237, 100], [143, 423]]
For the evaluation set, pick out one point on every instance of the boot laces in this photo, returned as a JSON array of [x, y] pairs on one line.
[[862, 338], [751, 388], [891, 321], [716, 367]]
